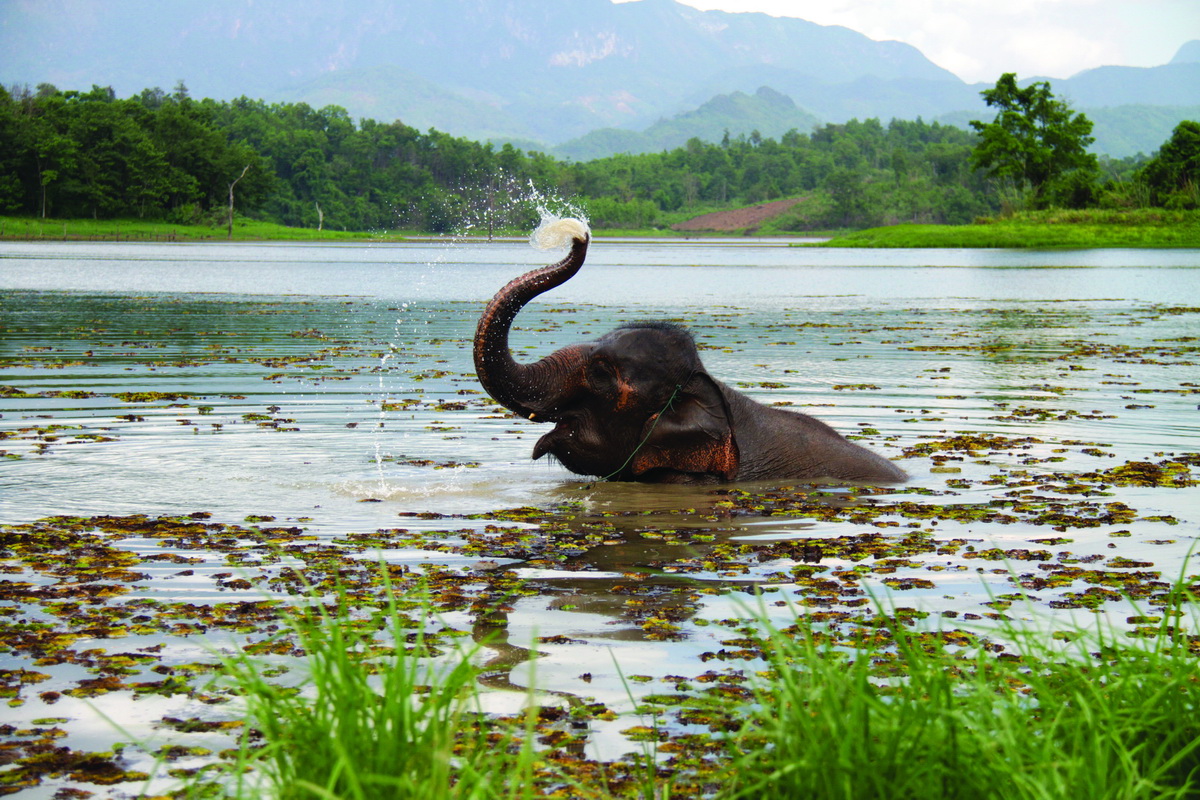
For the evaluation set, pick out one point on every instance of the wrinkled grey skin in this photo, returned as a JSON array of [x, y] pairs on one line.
[[638, 405]]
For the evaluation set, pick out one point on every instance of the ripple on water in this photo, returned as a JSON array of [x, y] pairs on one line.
[[352, 410]]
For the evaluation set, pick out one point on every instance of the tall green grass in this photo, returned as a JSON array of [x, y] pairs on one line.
[[371, 720], [897, 718], [880, 711]]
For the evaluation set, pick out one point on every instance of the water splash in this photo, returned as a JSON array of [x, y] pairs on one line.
[[485, 207], [383, 404], [550, 208], [554, 232]]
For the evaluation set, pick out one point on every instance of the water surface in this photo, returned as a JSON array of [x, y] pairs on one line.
[[330, 389]]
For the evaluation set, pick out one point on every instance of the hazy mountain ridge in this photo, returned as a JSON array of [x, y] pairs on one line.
[[1168, 85], [1129, 130], [767, 111], [539, 72], [1134, 109], [387, 93], [1188, 53], [562, 69]]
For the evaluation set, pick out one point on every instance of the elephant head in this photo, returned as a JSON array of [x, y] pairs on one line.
[[637, 403]]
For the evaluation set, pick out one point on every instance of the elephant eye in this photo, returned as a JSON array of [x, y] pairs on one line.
[[601, 375]]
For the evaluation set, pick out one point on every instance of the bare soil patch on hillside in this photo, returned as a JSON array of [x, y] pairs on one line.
[[738, 219]]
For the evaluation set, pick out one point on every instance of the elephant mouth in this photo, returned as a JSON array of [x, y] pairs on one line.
[[562, 444], [549, 443], [567, 447]]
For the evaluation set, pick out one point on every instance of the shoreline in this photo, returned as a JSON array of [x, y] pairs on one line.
[[1053, 229], [1036, 230]]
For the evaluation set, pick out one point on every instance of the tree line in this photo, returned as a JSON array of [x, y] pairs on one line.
[[160, 155], [1035, 151]]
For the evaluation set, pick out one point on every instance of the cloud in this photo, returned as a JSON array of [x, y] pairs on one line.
[[978, 40]]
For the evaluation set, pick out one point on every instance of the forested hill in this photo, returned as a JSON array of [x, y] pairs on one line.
[[169, 156]]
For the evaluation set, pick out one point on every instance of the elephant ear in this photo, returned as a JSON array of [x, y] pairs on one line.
[[694, 434]]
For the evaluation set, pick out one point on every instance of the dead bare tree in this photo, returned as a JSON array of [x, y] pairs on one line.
[[245, 169]]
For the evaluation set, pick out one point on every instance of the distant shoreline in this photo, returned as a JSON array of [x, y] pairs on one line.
[[1047, 229], [114, 230], [1093, 228]]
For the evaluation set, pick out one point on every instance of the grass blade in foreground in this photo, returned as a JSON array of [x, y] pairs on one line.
[[370, 721], [897, 714]]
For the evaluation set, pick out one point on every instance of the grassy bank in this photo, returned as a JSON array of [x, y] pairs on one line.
[[248, 230], [1043, 229], [136, 230]]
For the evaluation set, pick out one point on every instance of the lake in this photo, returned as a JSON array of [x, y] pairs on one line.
[[321, 398]]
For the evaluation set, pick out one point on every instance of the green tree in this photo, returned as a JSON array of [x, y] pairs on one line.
[[55, 153], [170, 156], [1173, 176], [1035, 141], [119, 169], [12, 155], [849, 195]]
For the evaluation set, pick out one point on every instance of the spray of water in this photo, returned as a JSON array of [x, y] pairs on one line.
[[383, 398], [486, 206], [492, 206]]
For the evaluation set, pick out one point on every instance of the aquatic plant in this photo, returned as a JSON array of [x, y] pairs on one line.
[[890, 714], [371, 718]]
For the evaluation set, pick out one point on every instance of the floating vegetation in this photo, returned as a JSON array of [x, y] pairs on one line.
[[164, 536], [150, 397], [429, 462], [1174, 473], [972, 444]]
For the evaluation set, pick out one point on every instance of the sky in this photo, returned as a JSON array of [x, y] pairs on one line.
[[979, 40]]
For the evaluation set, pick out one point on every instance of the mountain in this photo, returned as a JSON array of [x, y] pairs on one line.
[[388, 93], [737, 114], [1174, 84], [1134, 108], [564, 69], [1188, 53], [542, 69], [1128, 130], [591, 76], [1119, 131]]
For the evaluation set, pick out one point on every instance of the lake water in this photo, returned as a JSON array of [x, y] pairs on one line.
[[333, 334], [330, 387]]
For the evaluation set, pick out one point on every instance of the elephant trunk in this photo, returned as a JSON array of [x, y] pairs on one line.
[[527, 389]]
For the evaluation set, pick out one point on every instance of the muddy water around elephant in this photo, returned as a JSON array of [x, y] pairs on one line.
[[189, 425]]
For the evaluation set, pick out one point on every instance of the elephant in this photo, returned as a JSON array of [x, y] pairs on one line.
[[637, 404]]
